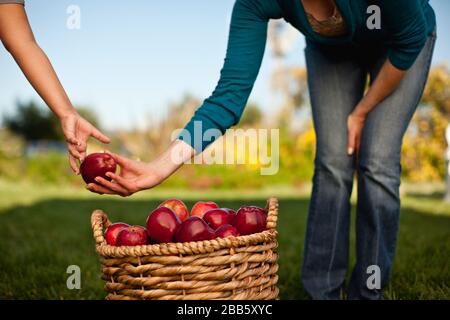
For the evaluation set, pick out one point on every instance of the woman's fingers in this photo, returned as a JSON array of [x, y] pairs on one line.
[[358, 141], [112, 186], [351, 142], [99, 189], [122, 161], [123, 182]]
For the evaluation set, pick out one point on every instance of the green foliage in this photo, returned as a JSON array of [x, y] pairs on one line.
[[423, 156], [252, 116], [50, 168], [33, 122], [11, 150]]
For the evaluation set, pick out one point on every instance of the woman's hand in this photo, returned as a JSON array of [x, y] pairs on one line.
[[134, 176], [137, 176], [77, 131], [355, 125], [386, 81]]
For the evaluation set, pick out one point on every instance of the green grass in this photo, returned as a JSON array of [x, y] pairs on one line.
[[45, 229]]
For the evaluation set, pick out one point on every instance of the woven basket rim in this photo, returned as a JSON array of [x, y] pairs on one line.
[[100, 221]]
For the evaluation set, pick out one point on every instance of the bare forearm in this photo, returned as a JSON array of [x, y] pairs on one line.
[[386, 82], [38, 70], [173, 158], [17, 37]]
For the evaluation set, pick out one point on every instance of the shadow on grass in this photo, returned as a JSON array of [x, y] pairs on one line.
[[38, 243]]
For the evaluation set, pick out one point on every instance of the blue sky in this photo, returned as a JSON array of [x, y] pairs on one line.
[[131, 58]]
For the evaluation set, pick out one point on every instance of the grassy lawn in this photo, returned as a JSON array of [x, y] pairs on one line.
[[45, 229]]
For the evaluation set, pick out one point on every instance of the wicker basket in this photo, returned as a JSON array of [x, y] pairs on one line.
[[239, 268]]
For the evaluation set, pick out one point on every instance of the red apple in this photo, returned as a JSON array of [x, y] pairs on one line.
[[230, 211], [194, 229], [162, 224], [199, 208], [226, 230], [216, 218], [178, 207], [97, 165], [132, 236], [250, 219], [113, 231]]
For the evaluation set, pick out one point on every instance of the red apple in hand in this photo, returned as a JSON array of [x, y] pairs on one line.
[[178, 207], [113, 231], [199, 208], [216, 218], [132, 236], [162, 224], [97, 165], [194, 229], [250, 219], [226, 231]]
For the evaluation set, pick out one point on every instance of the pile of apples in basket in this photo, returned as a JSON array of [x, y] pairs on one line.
[[172, 222]]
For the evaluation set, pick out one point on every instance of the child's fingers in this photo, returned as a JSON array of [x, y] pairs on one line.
[[100, 136], [70, 137], [73, 151], [73, 164]]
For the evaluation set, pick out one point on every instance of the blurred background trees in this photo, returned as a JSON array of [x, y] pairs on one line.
[[33, 145], [425, 144]]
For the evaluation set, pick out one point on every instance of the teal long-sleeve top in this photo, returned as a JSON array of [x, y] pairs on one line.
[[405, 27]]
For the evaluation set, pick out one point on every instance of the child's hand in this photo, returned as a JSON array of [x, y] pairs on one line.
[[77, 131]]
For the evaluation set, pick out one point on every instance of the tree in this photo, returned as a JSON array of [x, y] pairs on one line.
[[34, 122], [425, 143], [252, 116]]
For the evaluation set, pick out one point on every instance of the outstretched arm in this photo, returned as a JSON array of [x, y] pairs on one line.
[[245, 51], [223, 109], [17, 37]]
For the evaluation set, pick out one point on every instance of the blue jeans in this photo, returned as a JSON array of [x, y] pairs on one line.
[[337, 79]]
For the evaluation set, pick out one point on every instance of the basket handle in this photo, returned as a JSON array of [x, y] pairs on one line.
[[99, 220], [272, 215]]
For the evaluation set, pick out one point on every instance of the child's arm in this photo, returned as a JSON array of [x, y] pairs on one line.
[[17, 37]]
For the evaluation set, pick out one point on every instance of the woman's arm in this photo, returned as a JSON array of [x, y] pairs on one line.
[[17, 37], [136, 176], [246, 44], [386, 82], [245, 51], [406, 24]]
